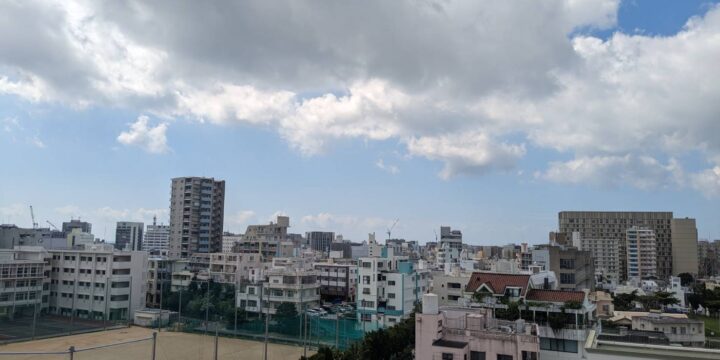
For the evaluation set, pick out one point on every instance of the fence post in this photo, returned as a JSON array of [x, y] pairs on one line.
[[154, 348], [215, 353], [71, 351]]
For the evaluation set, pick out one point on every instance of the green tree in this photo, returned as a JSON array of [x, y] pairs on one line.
[[625, 302], [286, 310]]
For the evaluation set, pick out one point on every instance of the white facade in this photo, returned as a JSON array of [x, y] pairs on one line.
[[229, 241], [449, 287], [98, 282], [449, 248], [24, 281], [606, 255], [641, 253], [156, 237], [280, 285]]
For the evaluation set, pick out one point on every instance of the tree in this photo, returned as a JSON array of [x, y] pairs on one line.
[[625, 302], [686, 279], [286, 310]]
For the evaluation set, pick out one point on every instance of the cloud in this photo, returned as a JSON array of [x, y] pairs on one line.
[[472, 85], [467, 153], [150, 139], [353, 224], [14, 212], [392, 169], [239, 219], [642, 172], [707, 182]]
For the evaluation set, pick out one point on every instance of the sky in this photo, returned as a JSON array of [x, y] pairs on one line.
[[486, 116]]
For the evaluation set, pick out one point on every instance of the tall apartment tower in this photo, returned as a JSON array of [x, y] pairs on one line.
[[641, 257], [613, 225], [196, 216], [156, 236], [129, 235], [449, 247], [684, 246]]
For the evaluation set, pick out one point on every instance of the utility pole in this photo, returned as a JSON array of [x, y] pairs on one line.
[[267, 321]]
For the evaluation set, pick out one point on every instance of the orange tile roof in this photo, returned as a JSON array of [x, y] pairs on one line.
[[555, 295], [498, 282]]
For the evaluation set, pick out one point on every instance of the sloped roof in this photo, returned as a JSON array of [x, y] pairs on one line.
[[498, 282], [559, 296]]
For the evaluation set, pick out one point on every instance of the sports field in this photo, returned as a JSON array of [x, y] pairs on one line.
[[170, 346], [46, 325]]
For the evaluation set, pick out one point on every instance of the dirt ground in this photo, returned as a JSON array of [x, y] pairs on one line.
[[170, 346]]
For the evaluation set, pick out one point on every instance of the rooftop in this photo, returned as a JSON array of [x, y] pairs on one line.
[[555, 295], [498, 282]]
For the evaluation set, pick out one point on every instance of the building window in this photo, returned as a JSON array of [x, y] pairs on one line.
[[567, 264], [561, 345], [529, 355], [512, 291], [366, 291], [391, 296], [566, 278], [477, 355], [504, 357], [447, 356]]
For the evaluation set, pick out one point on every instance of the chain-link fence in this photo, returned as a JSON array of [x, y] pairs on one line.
[[205, 307], [144, 348]]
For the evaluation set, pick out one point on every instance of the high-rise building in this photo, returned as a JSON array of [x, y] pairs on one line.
[[156, 236], [196, 216], [84, 226], [684, 246], [602, 225], [320, 240], [449, 247], [641, 258], [264, 239], [605, 254], [129, 235]]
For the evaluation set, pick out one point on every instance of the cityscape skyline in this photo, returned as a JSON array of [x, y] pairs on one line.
[[350, 140]]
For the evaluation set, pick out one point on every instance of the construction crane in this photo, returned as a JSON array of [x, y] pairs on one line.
[[32, 214], [53, 225], [390, 229]]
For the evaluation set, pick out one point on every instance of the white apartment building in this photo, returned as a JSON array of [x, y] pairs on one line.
[[229, 240], [98, 282], [280, 285], [24, 281], [232, 268], [449, 248], [641, 253], [264, 239], [605, 253], [449, 287], [156, 237], [388, 289]]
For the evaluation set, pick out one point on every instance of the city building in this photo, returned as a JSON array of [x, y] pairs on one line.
[[453, 333], [232, 268], [84, 226], [388, 289], [681, 331], [449, 247], [160, 272], [76, 237], [605, 254], [280, 285], [684, 246], [196, 216], [12, 236], [129, 236], [641, 249], [264, 239], [449, 287], [574, 268], [229, 241], [648, 345], [338, 280], [614, 225], [98, 282], [156, 237], [24, 281], [320, 240]]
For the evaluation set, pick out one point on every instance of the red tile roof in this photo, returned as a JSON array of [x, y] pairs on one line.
[[498, 282], [559, 296]]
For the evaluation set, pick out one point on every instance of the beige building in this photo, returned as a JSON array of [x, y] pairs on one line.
[[614, 224], [684, 246], [449, 287], [641, 253]]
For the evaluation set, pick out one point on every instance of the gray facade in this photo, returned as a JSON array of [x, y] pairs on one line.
[[129, 235], [196, 216], [320, 240], [84, 226]]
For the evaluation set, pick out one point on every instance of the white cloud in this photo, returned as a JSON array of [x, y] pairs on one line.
[[14, 213], [347, 223], [454, 82], [467, 153], [240, 219], [392, 169], [35, 141], [151, 139], [707, 182]]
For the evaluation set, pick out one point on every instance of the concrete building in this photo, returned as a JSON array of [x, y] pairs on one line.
[[641, 249], [196, 216], [452, 333], [159, 279], [338, 280], [449, 287], [388, 289], [233, 268], [129, 236], [264, 239], [24, 281], [685, 332], [84, 226], [229, 241], [280, 285], [98, 282], [684, 246], [320, 240], [574, 268], [78, 238], [449, 247], [156, 237], [12, 236], [614, 224]]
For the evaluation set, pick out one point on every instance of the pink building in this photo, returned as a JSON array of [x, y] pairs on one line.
[[471, 334]]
